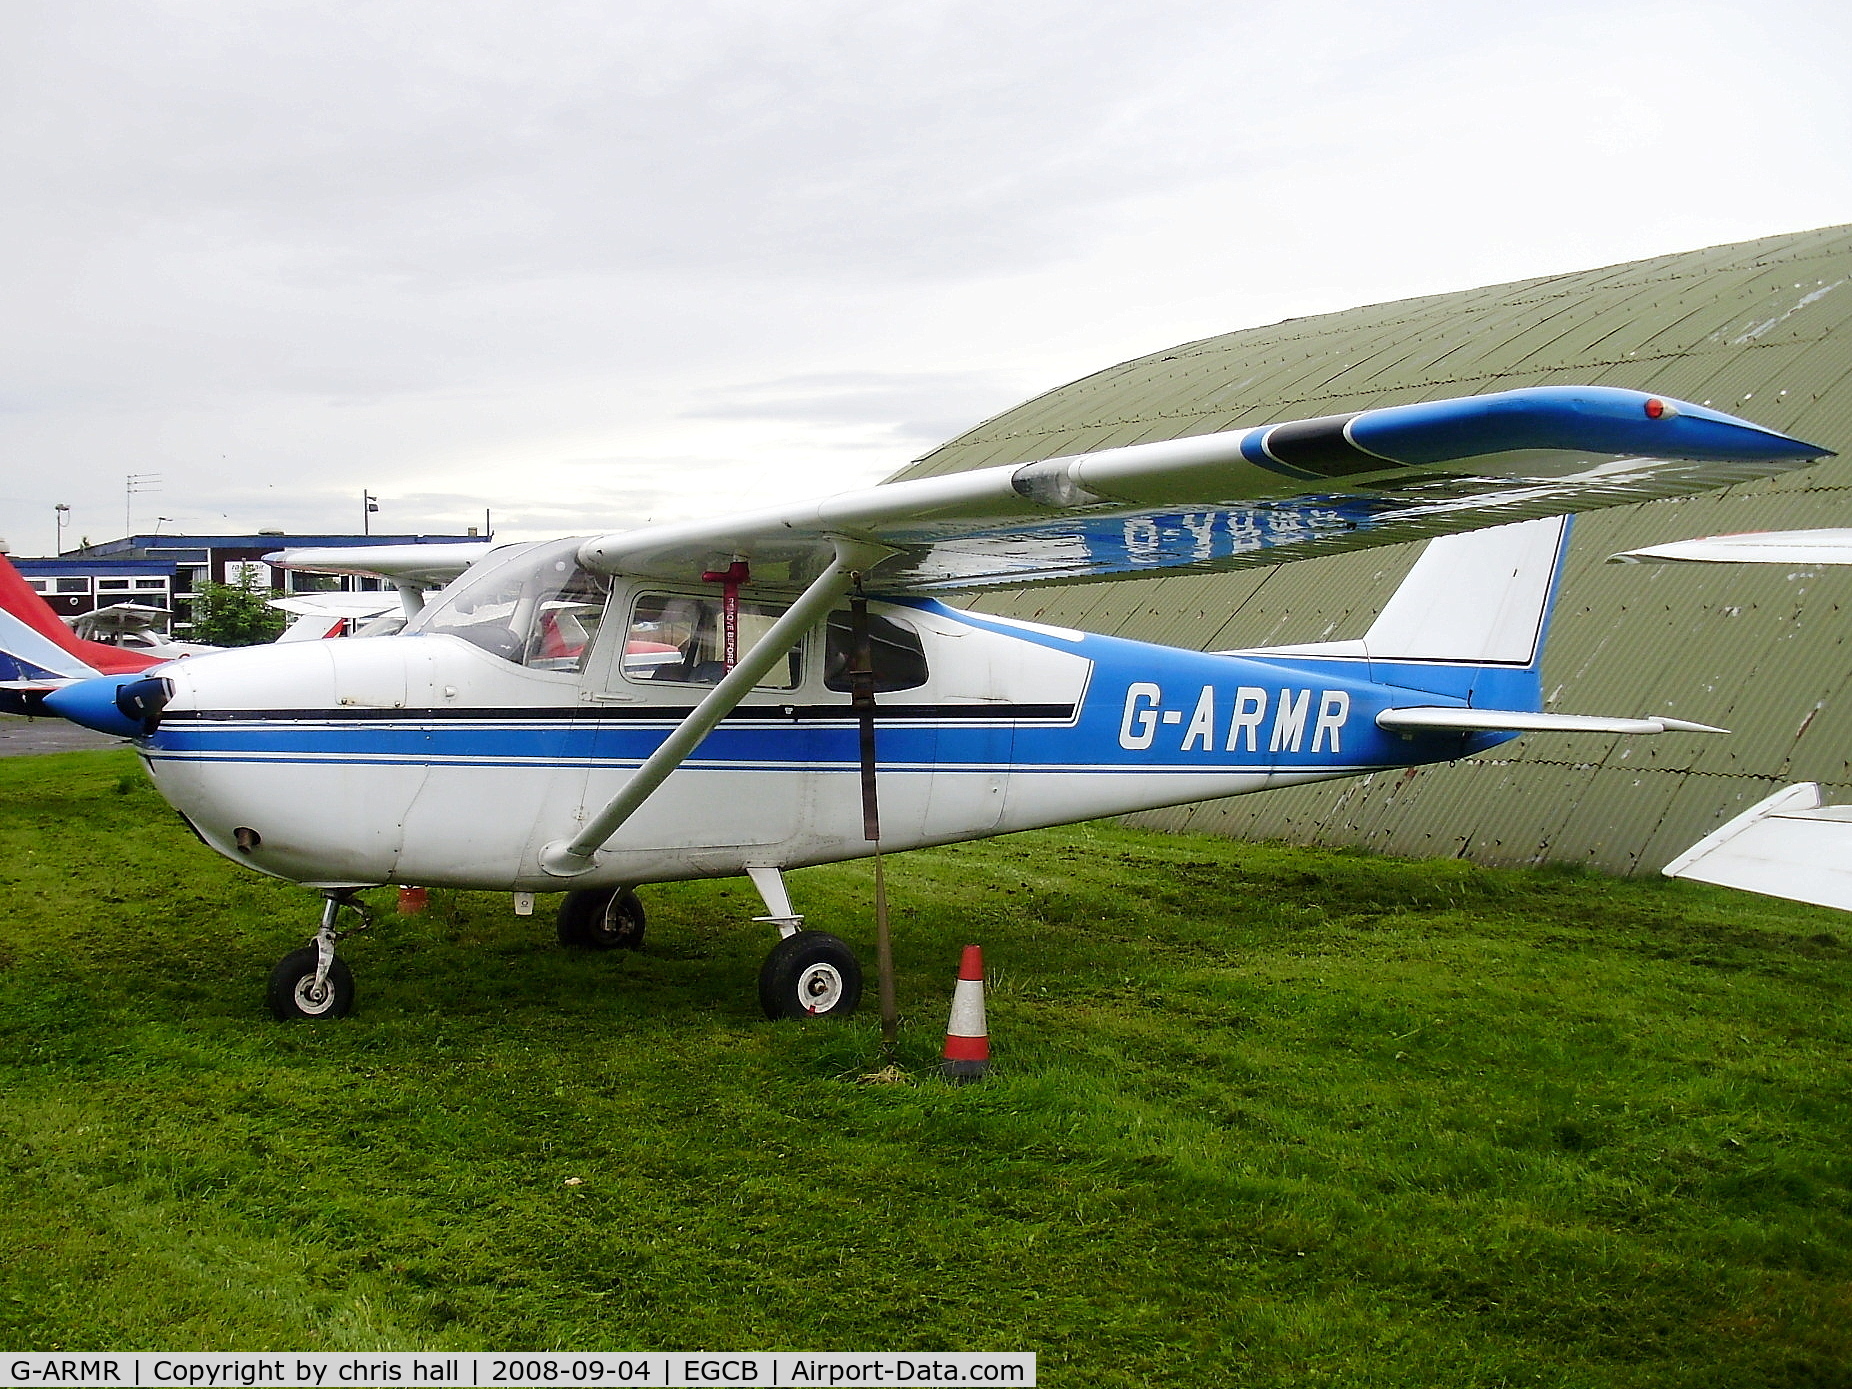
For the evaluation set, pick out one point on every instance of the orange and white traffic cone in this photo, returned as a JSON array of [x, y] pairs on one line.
[[967, 1043]]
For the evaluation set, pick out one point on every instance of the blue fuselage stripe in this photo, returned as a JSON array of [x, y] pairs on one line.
[[1146, 709]]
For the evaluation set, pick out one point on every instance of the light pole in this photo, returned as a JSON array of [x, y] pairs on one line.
[[61, 515], [368, 505]]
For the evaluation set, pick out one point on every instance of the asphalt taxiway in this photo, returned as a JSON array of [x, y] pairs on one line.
[[23, 737]]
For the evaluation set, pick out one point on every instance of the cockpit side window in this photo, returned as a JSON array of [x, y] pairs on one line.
[[894, 649], [681, 638], [537, 608], [568, 605]]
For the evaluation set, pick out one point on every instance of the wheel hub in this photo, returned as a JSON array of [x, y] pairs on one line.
[[313, 998], [820, 988]]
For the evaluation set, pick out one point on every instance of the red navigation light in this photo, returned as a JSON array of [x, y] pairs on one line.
[[1656, 408]]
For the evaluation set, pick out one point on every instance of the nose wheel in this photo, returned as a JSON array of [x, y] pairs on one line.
[[313, 983], [811, 974], [297, 993]]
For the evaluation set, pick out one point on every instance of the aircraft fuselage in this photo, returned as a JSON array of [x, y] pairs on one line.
[[425, 759]]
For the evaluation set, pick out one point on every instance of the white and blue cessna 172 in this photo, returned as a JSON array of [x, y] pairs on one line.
[[681, 701]]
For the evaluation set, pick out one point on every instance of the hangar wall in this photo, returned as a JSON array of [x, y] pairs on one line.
[[1761, 328]]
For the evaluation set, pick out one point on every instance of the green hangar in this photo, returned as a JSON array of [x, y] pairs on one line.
[[1762, 329]]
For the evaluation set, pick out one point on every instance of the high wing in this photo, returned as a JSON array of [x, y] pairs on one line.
[[1750, 547], [414, 567], [1258, 496]]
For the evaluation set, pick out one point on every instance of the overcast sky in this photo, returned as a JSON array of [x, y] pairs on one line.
[[591, 264]]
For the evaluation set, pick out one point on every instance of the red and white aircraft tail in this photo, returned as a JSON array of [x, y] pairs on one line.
[[37, 650]]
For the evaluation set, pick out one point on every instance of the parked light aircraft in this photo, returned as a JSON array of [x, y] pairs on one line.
[[1790, 844], [681, 701], [137, 627]]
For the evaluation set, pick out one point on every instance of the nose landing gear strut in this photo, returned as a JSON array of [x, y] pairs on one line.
[[313, 982]]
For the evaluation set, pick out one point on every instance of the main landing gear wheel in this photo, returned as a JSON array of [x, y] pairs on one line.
[[601, 918], [294, 993], [810, 974]]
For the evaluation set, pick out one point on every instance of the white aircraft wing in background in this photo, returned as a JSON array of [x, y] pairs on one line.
[[414, 566], [1750, 547], [318, 616], [1789, 846]]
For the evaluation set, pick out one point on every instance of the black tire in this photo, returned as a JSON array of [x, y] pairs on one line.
[[810, 975], [601, 918], [292, 988]]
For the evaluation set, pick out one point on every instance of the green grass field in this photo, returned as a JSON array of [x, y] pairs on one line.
[[1261, 1116]]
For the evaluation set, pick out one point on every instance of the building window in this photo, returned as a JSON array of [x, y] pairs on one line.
[[152, 584], [39, 585], [111, 585], [73, 585], [300, 582]]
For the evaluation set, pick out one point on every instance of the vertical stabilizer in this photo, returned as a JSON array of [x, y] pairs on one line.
[[35, 644], [1481, 598]]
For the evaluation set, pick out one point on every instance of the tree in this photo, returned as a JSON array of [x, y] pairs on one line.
[[235, 614]]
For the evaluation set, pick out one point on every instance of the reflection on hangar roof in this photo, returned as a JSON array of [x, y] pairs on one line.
[[1759, 328]]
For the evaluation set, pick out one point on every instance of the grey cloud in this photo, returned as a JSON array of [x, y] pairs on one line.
[[339, 243], [919, 409], [458, 142]]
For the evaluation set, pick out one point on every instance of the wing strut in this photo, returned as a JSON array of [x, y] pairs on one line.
[[569, 858]]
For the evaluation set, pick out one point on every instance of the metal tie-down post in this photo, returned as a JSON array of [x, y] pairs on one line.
[[862, 700]]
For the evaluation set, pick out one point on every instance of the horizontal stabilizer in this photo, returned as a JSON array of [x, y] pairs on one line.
[[1751, 547], [1787, 846], [1437, 720]]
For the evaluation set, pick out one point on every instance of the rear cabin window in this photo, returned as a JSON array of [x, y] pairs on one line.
[[894, 650], [681, 638]]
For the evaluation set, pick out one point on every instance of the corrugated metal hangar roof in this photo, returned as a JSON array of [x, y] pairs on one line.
[[1759, 328]]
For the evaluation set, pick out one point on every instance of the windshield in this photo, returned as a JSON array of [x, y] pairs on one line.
[[532, 604]]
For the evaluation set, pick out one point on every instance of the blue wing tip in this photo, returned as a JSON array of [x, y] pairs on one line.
[[1598, 419]]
